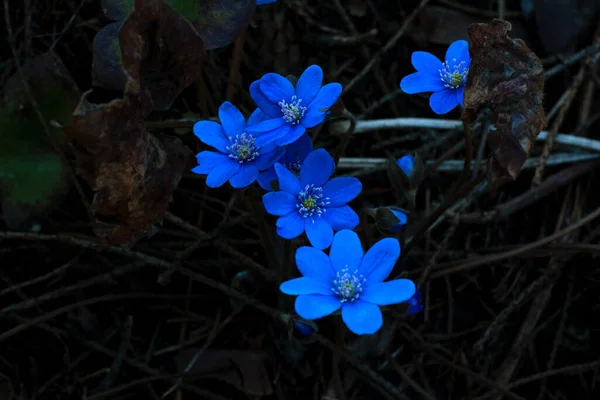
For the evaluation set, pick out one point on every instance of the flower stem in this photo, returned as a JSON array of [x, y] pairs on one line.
[[252, 198]]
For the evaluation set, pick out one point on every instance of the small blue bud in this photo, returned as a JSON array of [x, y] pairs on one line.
[[407, 164], [414, 303]]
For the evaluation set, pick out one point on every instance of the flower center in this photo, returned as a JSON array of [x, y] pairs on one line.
[[311, 202], [292, 111], [454, 77], [348, 286], [294, 168], [242, 148]]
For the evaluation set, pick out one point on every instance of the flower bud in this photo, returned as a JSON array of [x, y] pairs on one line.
[[389, 220]]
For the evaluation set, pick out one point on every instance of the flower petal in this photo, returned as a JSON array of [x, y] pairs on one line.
[[426, 63], [267, 159], [313, 263], [460, 95], [317, 168], [386, 293], [287, 181], [361, 317], [346, 251], [232, 120], [297, 151], [326, 97], [263, 2], [208, 160], [244, 177], [272, 109], [319, 232], [267, 178], [342, 217], [257, 116], [276, 88], [222, 172], [341, 190], [309, 84], [211, 133], [272, 137], [296, 131], [313, 306], [406, 164], [305, 286], [279, 203], [420, 82], [458, 50], [380, 259], [290, 226], [443, 102], [265, 126]]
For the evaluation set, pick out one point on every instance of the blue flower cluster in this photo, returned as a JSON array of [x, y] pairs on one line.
[[272, 147]]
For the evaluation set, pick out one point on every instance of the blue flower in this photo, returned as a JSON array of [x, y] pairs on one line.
[[413, 302], [406, 164], [446, 80], [402, 219], [241, 155], [288, 111], [262, 2], [349, 280], [313, 203], [292, 160]]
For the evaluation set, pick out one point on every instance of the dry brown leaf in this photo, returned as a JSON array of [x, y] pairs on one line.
[[507, 77]]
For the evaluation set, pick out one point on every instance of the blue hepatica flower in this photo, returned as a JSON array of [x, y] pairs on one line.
[[262, 2], [292, 160], [446, 80], [288, 111], [241, 155], [413, 302], [311, 202], [349, 280], [406, 164]]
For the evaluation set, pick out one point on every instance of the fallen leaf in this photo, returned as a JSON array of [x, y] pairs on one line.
[[244, 369], [33, 179], [506, 77], [132, 171]]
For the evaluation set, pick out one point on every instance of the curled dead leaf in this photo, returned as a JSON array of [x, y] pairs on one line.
[[132, 171], [506, 77]]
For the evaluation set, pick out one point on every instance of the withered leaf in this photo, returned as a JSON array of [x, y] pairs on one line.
[[132, 171], [244, 369], [506, 77]]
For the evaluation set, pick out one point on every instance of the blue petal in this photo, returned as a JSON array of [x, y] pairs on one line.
[[208, 160], [273, 136], [380, 259], [297, 151], [287, 181], [386, 293], [326, 97], [317, 168], [342, 217], [309, 84], [346, 251], [426, 63], [265, 178], [341, 190], [257, 116], [290, 226], [276, 88], [413, 309], [443, 102], [402, 220], [267, 159], [305, 286], [313, 263], [420, 83], [272, 109], [279, 203], [406, 164], [460, 95], [313, 306], [222, 172], [212, 134], [458, 50], [263, 2], [232, 120], [319, 232], [413, 302], [361, 317], [295, 132], [244, 177], [265, 126]]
